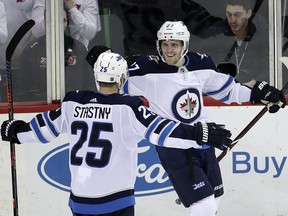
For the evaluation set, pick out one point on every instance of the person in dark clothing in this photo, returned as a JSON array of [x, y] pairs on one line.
[[245, 38]]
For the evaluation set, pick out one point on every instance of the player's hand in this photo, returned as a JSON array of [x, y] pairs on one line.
[[268, 95], [213, 134], [9, 130]]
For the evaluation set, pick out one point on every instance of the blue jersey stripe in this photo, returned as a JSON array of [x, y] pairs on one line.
[[37, 131], [165, 133], [102, 208], [229, 81], [152, 127], [225, 98], [50, 125]]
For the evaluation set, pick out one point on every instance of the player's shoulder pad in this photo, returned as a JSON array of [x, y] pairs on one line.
[[144, 64], [132, 101], [198, 61]]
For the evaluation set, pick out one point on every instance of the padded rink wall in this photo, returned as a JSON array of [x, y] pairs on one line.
[[255, 172]]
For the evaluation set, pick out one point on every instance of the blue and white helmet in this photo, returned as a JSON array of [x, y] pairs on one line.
[[111, 68], [173, 30]]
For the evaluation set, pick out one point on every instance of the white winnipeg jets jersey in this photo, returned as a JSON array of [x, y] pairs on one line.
[[177, 93], [103, 133]]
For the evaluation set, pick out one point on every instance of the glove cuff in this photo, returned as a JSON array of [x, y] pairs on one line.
[[201, 133]]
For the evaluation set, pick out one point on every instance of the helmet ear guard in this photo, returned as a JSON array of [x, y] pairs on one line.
[[173, 30], [111, 68]]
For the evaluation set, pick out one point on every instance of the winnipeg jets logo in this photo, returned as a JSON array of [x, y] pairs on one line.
[[186, 105]]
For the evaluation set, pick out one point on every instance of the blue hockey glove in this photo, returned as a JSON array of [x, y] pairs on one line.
[[9, 130], [268, 95], [213, 134]]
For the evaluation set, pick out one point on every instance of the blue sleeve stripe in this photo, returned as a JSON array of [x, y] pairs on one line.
[[165, 133], [225, 98], [50, 125], [152, 127], [37, 131], [229, 81]]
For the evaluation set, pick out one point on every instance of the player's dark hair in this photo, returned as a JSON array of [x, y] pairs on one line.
[[246, 4]]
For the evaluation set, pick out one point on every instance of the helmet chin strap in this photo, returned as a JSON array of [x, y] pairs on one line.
[[121, 82], [179, 62]]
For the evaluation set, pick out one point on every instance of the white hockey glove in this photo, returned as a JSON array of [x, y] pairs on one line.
[[213, 134]]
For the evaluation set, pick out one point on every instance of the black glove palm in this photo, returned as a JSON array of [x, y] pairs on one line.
[[268, 95], [213, 134], [9, 130]]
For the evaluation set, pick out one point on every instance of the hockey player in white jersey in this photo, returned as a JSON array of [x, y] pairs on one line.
[[174, 83], [104, 128]]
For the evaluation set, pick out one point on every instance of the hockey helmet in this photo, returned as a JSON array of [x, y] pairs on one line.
[[173, 30], [111, 68]]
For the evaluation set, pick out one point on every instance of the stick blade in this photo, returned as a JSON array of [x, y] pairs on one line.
[[17, 38]]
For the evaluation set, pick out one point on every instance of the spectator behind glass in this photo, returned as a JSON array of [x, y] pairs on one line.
[[3, 38], [78, 74], [83, 16], [244, 42], [17, 12], [142, 19]]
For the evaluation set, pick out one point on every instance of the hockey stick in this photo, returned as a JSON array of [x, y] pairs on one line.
[[284, 60], [9, 53]]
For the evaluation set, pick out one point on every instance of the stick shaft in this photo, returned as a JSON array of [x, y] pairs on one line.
[[9, 53]]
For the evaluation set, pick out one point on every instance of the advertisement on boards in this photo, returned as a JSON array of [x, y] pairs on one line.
[[254, 172]]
